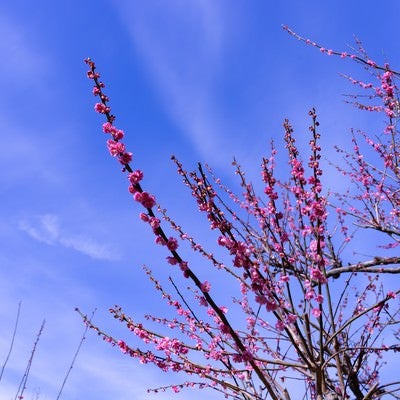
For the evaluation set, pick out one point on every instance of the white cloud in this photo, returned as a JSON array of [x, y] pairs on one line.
[[46, 229], [88, 246], [181, 44], [21, 61]]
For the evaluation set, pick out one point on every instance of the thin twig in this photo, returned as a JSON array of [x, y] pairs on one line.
[[22, 386], [75, 357], [12, 341]]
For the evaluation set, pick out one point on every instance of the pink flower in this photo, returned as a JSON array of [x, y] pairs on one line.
[[203, 301], [146, 199], [251, 322], [247, 356], [160, 240], [172, 260], [108, 127], [260, 299], [316, 275], [271, 305], [135, 176], [313, 245], [280, 325], [291, 318], [309, 295], [183, 265], [101, 108], [115, 148], [117, 134], [123, 346], [316, 312], [285, 278], [93, 75], [224, 328], [154, 222], [144, 217], [125, 158], [132, 189], [224, 241], [172, 244], [205, 287], [319, 298], [223, 309]]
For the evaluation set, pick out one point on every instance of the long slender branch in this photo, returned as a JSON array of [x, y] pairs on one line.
[[227, 363], [22, 386], [12, 341], [357, 316], [74, 358], [336, 53]]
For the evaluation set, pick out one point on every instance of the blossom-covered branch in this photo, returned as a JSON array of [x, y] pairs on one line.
[[301, 308]]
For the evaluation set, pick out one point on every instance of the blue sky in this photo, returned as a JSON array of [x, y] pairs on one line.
[[204, 80]]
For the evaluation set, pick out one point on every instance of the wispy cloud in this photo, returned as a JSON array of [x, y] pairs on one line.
[[181, 45], [21, 61], [46, 229], [89, 247]]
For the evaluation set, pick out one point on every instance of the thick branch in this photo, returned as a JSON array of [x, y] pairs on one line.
[[372, 266]]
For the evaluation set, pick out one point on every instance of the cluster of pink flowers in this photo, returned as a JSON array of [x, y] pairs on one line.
[[388, 93], [117, 149]]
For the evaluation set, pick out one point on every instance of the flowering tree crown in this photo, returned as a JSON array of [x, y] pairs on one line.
[[310, 319]]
